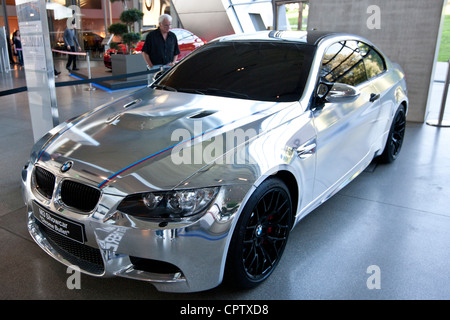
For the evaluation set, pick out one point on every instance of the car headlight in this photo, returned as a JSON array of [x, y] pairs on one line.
[[168, 205]]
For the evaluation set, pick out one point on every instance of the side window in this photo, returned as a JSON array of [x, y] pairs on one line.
[[343, 63], [373, 60]]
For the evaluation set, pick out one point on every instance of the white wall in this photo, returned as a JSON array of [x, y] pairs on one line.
[[407, 31]]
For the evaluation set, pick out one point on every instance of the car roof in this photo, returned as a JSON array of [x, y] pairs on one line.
[[312, 37]]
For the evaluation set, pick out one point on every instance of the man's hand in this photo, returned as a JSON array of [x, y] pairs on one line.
[[68, 47]]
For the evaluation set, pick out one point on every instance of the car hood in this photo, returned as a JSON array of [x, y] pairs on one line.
[[134, 144]]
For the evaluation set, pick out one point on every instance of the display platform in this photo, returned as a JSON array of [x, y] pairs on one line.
[[115, 84]]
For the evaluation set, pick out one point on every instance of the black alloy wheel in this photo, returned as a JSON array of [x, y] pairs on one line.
[[396, 136], [260, 235]]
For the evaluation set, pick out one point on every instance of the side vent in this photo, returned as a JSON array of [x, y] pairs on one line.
[[129, 104], [202, 114]]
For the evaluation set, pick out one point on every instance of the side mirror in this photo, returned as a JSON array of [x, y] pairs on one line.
[[342, 93]]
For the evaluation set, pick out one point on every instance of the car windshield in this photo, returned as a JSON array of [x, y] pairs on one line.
[[263, 71]]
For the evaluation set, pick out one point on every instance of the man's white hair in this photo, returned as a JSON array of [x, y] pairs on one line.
[[164, 17]]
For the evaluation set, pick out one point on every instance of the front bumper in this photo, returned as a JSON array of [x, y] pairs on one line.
[[184, 256]]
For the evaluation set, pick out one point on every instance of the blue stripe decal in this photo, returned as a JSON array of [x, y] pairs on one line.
[[203, 236], [101, 185]]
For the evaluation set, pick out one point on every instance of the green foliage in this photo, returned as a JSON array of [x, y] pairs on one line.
[[444, 48], [131, 37], [126, 29], [118, 28], [129, 17]]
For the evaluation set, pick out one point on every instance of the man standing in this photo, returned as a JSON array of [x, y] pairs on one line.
[[70, 39], [161, 45], [17, 44]]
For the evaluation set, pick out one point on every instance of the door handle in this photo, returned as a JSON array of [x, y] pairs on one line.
[[306, 150], [374, 97]]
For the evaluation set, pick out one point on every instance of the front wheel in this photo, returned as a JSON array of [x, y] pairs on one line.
[[260, 235], [396, 136]]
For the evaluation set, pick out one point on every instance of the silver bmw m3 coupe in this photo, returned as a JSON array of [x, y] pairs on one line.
[[201, 176]]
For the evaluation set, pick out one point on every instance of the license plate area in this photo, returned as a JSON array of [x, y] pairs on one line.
[[65, 227]]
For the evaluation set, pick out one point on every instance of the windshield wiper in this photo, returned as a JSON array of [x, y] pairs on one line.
[[227, 93], [215, 91], [164, 87], [189, 90]]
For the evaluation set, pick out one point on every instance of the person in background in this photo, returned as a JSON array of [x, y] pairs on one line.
[[161, 45], [70, 39], [17, 44]]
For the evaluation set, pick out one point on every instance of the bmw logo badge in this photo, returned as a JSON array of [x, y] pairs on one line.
[[66, 166]]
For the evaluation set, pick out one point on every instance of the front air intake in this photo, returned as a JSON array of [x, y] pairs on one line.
[[79, 196]]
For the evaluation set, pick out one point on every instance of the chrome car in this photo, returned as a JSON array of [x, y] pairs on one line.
[[201, 176]]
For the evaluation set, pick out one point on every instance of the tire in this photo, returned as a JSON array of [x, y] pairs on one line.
[[260, 235], [396, 136]]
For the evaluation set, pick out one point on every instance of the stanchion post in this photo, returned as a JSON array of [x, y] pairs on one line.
[[440, 122], [149, 77], [88, 59]]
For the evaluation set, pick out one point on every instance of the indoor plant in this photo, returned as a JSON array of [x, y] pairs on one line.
[[127, 62]]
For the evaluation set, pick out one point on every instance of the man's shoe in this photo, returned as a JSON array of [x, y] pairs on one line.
[[68, 69], [75, 69]]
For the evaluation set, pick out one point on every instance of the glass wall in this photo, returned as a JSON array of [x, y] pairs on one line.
[[93, 17], [292, 15], [297, 14]]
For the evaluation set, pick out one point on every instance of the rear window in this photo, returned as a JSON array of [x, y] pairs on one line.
[[250, 70]]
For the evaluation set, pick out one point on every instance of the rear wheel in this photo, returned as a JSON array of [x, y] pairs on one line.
[[396, 136], [260, 235]]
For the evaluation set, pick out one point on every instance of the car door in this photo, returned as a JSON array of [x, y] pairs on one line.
[[376, 73], [344, 128]]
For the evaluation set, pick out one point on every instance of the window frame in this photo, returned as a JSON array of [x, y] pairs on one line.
[[365, 58], [355, 50]]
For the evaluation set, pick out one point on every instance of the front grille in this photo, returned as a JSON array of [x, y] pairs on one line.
[[79, 196], [45, 182], [86, 258]]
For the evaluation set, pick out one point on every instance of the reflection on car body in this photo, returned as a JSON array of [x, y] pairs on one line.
[[91, 42], [202, 175]]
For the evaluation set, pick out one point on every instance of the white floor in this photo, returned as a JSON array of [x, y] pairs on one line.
[[392, 217]]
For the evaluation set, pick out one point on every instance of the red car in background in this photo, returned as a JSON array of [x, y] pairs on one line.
[[187, 41]]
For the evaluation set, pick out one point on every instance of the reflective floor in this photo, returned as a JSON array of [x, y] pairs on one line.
[[390, 227]]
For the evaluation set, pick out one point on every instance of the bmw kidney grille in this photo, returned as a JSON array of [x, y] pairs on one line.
[[73, 194], [79, 195], [45, 182]]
